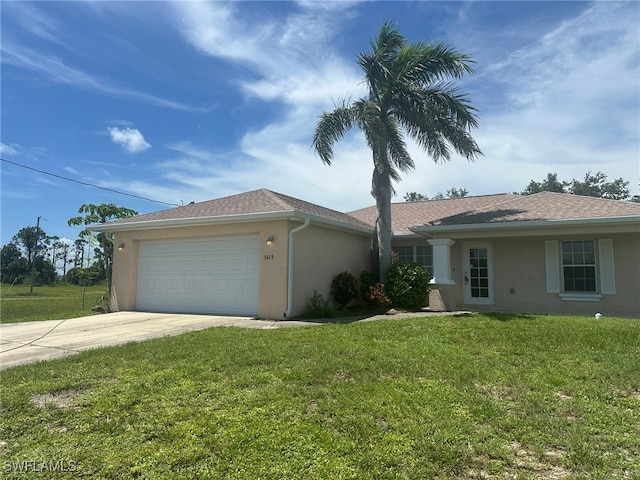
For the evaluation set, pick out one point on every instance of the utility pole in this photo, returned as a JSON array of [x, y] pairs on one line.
[[35, 252]]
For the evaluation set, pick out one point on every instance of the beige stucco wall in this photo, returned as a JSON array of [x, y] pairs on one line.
[[519, 276], [273, 260], [319, 255]]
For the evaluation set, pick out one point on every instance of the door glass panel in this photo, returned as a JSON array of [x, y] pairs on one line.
[[479, 272]]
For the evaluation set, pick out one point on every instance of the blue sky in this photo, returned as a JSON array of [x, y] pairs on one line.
[[189, 101]]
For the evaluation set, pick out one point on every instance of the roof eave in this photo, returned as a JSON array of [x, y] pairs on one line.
[[227, 219], [191, 221], [336, 224], [529, 224]]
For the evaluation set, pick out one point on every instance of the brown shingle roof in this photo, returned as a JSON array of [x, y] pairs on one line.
[[486, 209], [499, 208], [410, 214], [544, 206], [254, 202]]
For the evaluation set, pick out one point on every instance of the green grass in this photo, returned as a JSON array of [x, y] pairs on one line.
[[484, 396], [47, 302]]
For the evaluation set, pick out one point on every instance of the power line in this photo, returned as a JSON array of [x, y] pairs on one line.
[[89, 184]]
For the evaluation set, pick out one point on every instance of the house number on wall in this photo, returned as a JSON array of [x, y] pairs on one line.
[[269, 257]]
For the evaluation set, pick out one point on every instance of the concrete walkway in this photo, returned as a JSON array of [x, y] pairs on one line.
[[28, 342]]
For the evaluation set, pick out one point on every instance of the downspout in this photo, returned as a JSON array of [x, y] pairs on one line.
[[290, 267]]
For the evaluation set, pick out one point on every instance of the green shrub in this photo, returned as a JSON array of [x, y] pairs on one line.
[[344, 288], [86, 276], [319, 307], [407, 285], [367, 280]]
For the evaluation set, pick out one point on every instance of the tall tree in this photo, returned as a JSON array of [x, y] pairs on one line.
[[102, 213], [593, 185], [30, 241], [61, 252], [78, 255], [409, 93], [549, 184], [596, 185], [14, 267]]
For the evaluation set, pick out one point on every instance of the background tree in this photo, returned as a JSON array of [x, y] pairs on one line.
[[30, 241], [549, 184], [45, 271], [597, 186], [593, 185], [103, 213], [451, 193], [27, 251], [14, 267], [456, 193], [63, 254], [78, 252], [415, 197], [85, 277], [408, 95]]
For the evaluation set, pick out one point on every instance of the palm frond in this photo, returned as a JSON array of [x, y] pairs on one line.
[[330, 128], [378, 65], [426, 63], [397, 148]]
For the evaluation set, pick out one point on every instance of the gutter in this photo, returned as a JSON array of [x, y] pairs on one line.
[[225, 219], [518, 224], [189, 221], [306, 223]]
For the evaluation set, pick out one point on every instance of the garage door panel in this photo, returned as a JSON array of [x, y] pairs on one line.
[[215, 275]]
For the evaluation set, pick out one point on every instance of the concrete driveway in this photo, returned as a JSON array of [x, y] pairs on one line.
[[29, 342]]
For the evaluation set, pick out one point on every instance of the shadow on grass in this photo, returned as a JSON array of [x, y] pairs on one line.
[[508, 316], [336, 320], [344, 315]]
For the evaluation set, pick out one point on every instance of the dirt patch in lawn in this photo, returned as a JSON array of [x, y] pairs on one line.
[[61, 399]]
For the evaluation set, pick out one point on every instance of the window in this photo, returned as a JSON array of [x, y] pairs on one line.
[[420, 254], [424, 257], [579, 266], [580, 270], [479, 272], [404, 254]]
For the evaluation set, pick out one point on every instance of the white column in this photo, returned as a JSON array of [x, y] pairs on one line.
[[442, 261]]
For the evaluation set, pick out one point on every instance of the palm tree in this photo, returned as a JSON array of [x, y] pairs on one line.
[[408, 94]]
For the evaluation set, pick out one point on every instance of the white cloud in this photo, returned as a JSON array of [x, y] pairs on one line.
[[58, 71], [34, 20], [129, 138], [547, 120], [7, 149], [213, 29], [295, 65], [570, 105]]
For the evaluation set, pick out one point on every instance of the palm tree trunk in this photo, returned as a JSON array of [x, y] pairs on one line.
[[381, 191]]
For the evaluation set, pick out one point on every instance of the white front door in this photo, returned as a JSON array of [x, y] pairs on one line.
[[478, 274]]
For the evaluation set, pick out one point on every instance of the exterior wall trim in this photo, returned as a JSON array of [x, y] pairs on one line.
[[227, 219], [633, 220]]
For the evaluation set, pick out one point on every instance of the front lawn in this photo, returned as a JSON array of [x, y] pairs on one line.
[[472, 397]]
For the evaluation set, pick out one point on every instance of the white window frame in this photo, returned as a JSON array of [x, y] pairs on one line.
[[605, 271]]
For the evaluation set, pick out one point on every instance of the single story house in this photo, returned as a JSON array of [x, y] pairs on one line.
[[263, 254]]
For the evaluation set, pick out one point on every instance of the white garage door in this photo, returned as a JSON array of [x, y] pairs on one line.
[[211, 275]]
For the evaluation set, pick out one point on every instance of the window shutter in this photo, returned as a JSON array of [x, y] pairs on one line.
[[607, 272], [552, 267]]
